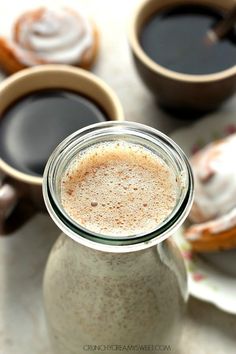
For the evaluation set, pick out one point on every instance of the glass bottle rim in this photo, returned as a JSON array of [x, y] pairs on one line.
[[104, 131]]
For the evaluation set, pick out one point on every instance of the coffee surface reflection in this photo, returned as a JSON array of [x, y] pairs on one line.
[[175, 38]]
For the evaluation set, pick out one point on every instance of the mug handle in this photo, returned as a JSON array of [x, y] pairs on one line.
[[12, 213], [8, 200]]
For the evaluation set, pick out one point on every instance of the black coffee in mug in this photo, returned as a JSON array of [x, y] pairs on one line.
[[35, 124], [175, 38]]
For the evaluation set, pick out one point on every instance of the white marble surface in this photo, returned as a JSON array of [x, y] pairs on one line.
[[23, 255]]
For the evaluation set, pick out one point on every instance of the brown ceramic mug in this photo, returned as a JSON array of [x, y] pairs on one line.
[[20, 193], [172, 89]]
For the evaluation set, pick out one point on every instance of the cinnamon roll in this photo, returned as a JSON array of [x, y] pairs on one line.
[[49, 35], [214, 208], [214, 235], [214, 169]]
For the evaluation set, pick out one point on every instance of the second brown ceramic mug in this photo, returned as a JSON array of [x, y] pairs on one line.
[[20, 193], [173, 89]]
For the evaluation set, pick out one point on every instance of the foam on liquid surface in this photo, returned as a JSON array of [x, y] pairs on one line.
[[118, 188]]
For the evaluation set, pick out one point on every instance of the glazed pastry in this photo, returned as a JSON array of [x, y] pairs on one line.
[[44, 36], [215, 235], [214, 208], [214, 169]]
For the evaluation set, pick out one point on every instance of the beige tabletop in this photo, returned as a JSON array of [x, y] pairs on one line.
[[207, 330]]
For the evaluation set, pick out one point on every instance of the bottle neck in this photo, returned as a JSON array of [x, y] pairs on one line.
[[98, 262], [160, 260]]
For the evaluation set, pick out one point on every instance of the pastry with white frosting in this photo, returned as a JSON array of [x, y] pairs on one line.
[[214, 208], [50, 36]]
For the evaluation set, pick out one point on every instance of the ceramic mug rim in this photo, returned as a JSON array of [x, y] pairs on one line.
[[53, 68], [161, 70]]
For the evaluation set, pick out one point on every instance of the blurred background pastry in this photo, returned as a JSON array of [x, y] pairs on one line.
[[214, 209], [49, 36]]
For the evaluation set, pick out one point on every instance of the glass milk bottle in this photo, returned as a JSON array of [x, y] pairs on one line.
[[115, 293]]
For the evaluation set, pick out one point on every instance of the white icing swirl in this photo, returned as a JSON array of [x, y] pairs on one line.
[[54, 36], [214, 170]]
